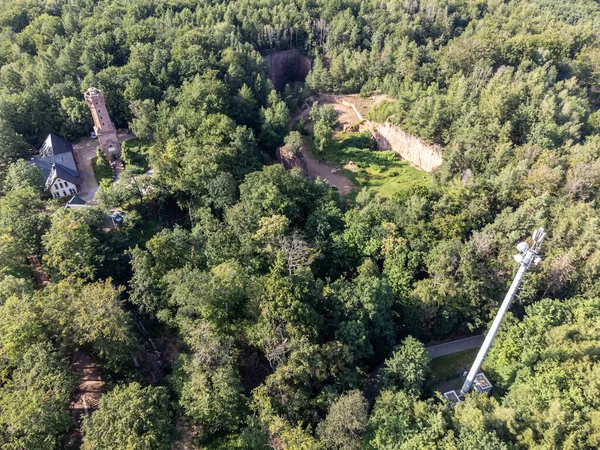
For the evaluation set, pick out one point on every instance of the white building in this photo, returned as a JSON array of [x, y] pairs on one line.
[[57, 163]]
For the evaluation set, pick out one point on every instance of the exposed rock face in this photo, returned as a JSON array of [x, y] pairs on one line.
[[391, 137], [411, 148], [286, 67], [289, 160]]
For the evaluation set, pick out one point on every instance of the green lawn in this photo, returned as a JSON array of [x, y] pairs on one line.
[[102, 169], [379, 171], [451, 366]]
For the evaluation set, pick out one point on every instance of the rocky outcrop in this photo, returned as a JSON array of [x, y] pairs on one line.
[[289, 160], [286, 67], [391, 137], [351, 105], [411, 148]]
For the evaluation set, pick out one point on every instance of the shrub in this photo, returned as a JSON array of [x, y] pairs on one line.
[[102, 169]]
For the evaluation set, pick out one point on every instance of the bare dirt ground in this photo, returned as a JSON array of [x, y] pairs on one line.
[[318, 169], [342, 105], [88, 393], [346, 117], [85, 151], [39, 274], [321, 170]]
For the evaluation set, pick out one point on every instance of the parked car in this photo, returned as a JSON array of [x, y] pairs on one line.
[[93, 135], [121, 214], [116, 218]]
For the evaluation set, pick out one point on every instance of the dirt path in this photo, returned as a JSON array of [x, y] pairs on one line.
[[316, 170], [39, 274], [88, 393], [85, 151], [299, 115]]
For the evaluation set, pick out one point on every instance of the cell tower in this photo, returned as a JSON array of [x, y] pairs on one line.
[[527, 257]]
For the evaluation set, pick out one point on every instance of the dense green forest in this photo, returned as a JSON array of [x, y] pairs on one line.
[[271, 298]]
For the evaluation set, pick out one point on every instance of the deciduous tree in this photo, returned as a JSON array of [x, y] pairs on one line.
[[130, 416]]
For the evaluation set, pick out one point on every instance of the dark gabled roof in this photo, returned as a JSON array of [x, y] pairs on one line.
[[45, 165], [55, 145], [66, 174], [76, 200]]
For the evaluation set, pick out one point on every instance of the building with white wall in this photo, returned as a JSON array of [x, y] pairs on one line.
[[57, 162]]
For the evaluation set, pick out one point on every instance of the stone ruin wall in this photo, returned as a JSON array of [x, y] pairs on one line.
[[287, 66], [411, 148]]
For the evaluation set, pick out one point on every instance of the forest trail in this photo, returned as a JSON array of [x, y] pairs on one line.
[[39, 274], [88, 393], [317, 169]]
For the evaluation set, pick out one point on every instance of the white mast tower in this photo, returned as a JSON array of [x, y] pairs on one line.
[[527, 257]]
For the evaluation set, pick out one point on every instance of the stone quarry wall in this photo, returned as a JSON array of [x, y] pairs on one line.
[[412, 148], [289, 160], [286, 67], [391, 137]]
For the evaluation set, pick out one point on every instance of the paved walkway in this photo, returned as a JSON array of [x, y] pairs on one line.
[[448, 348], [373, 381], [85, 151]]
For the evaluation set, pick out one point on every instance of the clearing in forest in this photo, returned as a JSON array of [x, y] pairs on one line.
[[351, 162], [382, 172]]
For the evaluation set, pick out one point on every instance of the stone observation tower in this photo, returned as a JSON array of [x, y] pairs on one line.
[[103, 126]]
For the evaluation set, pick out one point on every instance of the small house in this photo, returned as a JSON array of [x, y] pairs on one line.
[[76, 202]]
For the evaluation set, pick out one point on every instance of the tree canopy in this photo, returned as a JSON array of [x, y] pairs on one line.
[[242, 305]]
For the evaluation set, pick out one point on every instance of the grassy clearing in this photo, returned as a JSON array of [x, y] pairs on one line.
[[451, 366], [379, 171], [102, 169]]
